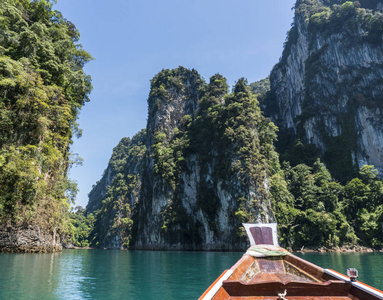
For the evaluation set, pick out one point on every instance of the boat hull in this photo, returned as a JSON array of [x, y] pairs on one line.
[[284, 276]]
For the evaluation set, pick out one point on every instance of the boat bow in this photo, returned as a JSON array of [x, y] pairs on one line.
[[267, 271]]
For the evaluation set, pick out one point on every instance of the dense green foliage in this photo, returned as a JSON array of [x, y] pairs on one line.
[[230, 131], [113, 208], [78, 227], [42, 89], [315, 210], [344, 17], [232, 142], [261, 87]]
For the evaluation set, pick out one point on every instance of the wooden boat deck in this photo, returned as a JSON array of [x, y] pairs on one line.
[[268, 272], [253, 278], [289, 298]]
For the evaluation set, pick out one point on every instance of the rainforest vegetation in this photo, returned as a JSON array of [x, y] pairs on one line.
[[42, 89], [312, 208]]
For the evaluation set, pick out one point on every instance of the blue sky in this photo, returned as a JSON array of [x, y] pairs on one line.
[[132, 41]]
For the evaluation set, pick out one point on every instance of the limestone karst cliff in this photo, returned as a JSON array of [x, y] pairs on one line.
[[42, 89], [207, 160], [114, 196], [327, 89], [204, 169]]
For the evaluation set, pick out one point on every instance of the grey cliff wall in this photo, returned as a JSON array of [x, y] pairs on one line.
[[113, 198], [166, 111], [328, 86], [185, 194], [28, 240], [203, 201]]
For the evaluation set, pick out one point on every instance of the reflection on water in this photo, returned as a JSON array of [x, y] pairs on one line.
[[25, 276], [99, 274]]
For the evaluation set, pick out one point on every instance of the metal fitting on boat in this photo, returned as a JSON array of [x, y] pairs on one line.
[[352, 273]]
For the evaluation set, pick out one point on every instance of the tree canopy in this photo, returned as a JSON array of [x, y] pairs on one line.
[[42, 89]]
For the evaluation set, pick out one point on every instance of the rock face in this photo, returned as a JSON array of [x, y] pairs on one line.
[[28, 240], [114, 196], [208, 156], [172, 97], [327, 89], [41, 95]]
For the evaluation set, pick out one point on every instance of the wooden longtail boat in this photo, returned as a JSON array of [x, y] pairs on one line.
[[269, 272]]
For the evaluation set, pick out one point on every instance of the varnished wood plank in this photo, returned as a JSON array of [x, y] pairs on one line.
[[238, 271], [305, 266], [221, 295], [262, 235], [267, 234], [330, 288], [212, 285], [289, 298]]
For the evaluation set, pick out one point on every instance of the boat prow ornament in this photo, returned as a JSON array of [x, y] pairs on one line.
[[267, 271], [263, 240], [262, 234]]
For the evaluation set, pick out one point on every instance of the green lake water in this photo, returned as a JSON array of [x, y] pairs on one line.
[[102, 274]]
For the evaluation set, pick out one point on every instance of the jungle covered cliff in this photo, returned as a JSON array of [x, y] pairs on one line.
[[42, 88], [210, 165], [327, 90], [200, 168], [208, 159]]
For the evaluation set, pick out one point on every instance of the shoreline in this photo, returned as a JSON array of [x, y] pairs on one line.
[[343, 249]]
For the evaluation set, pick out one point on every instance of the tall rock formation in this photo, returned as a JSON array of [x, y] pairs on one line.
[[42, 88], [172, 102], [209, 155], [113, 198], [327, 89]]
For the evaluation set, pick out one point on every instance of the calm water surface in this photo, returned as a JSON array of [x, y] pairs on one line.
[[369, 265], [100, 274]]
